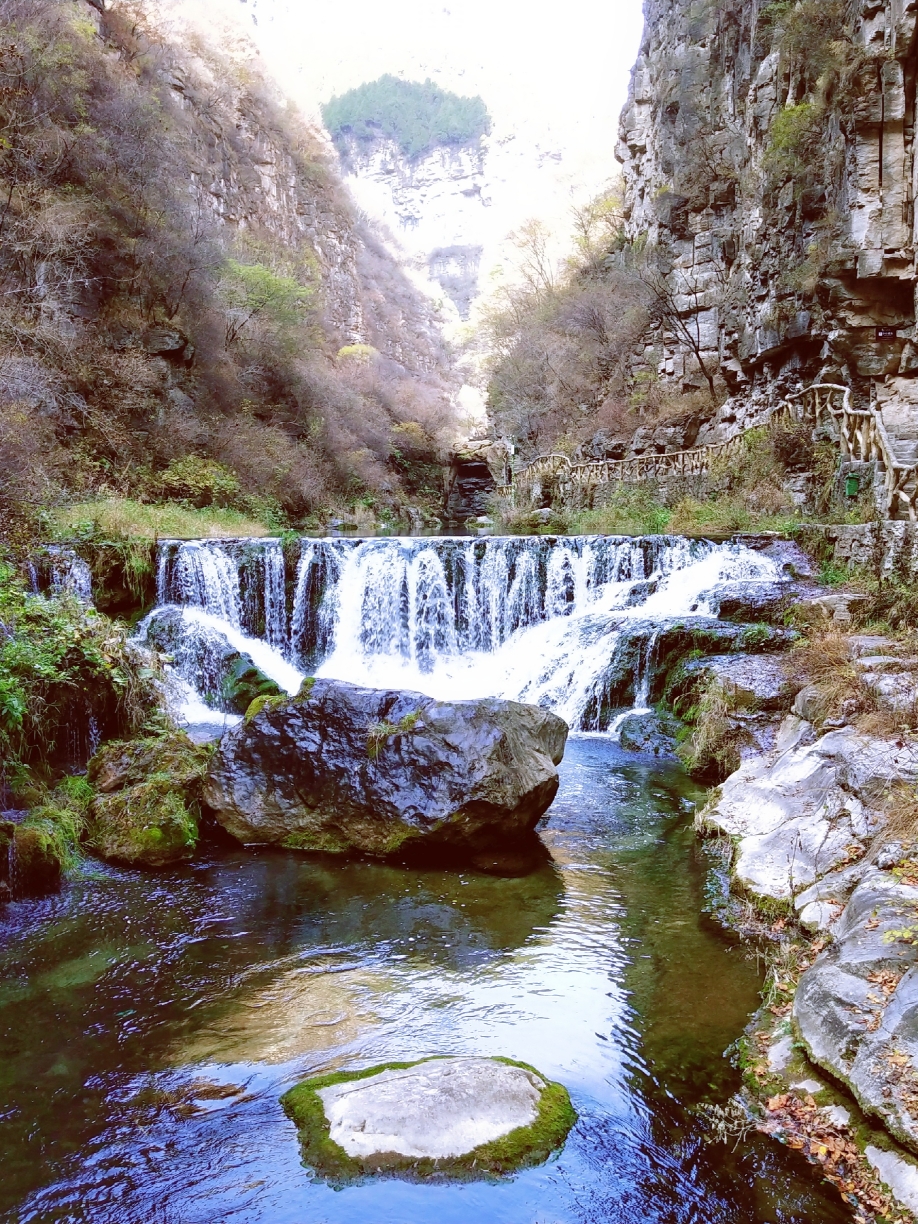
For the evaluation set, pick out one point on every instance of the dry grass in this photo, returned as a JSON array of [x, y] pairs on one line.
[[715, 746], [899, 821], [122, 518], [824, 660]]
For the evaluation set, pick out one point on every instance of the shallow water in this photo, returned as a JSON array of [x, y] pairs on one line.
[[129, 1000]]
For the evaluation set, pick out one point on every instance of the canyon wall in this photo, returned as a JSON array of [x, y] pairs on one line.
[[775, 175], [192, 307]]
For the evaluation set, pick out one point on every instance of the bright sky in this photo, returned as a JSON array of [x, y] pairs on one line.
[[559, 70]]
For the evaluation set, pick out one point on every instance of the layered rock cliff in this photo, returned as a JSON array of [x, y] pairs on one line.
[[769, 158]]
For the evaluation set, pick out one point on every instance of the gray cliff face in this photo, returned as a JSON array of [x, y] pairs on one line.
[[254, 176], [770, 281], [432, 205]]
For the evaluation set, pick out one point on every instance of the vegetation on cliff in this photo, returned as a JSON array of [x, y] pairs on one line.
[[159, 343], [418, 117], [67, 678]]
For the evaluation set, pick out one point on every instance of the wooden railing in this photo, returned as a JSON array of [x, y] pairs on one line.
[[861, 434]]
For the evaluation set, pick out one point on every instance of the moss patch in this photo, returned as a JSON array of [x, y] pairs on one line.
[[147, 813], [305, 691], [521, 1148], [322, 840], [264, 703], [147, 825]]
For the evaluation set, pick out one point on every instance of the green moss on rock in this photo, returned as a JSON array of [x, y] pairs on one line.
[[148, 825], [267, 702], [148, 809], [524, 1147], [244, 683], [324, 840]]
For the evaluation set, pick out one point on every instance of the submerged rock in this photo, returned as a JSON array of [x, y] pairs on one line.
[[464, 1116], [146, 813], [653, 734], [342, 768]]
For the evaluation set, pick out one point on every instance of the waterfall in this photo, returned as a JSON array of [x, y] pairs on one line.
[[539, 619], [68, 573]]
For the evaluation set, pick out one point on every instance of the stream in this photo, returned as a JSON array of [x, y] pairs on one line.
[[150, 1022]]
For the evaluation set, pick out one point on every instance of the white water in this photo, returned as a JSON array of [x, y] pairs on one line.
[[537, 620]]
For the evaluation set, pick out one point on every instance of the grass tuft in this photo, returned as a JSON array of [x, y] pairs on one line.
[[122, 518]]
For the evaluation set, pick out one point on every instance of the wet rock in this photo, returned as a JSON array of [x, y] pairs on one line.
[[439, 1115], [806, 809], [653, 734], [856, 1008], [342, 768], [754, 682], [148, 807], [753, 601], [29, 864], [227, 679]]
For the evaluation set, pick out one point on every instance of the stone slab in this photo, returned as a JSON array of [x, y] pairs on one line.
[[438, 1109]]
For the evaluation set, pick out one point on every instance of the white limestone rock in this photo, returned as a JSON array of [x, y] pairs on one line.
[[856, 1007], [806, 809], [438, 1109]]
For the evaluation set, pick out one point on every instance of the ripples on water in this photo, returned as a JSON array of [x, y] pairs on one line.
[[149, 1024]]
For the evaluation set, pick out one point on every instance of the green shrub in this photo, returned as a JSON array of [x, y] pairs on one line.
[[200, 482], [62, 665]]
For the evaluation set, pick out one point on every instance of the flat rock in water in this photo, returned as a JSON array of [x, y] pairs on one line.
[[438, 1109], [439, 1117]]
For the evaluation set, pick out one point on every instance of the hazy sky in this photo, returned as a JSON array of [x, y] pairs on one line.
[[561, 67]]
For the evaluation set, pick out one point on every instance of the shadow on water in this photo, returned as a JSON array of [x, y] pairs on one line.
[[148, 1025]]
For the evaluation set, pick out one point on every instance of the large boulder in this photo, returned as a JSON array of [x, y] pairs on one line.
[[341, 768], [856, 1008]]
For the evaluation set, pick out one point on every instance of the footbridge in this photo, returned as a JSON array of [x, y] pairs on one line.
[[859, 432]]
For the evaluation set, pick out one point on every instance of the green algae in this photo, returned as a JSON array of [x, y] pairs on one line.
[[524, 1147]]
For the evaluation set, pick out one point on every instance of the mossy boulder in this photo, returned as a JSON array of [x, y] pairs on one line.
[[463, 1118], [149, 803], [245, 683]]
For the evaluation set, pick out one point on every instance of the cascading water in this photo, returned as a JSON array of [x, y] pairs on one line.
[[68, 574], [545, 620]]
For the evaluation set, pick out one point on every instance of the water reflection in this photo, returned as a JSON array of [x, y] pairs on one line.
[[149, 1025]]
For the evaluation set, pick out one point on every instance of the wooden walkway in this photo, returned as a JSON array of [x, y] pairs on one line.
[[861, 434]]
